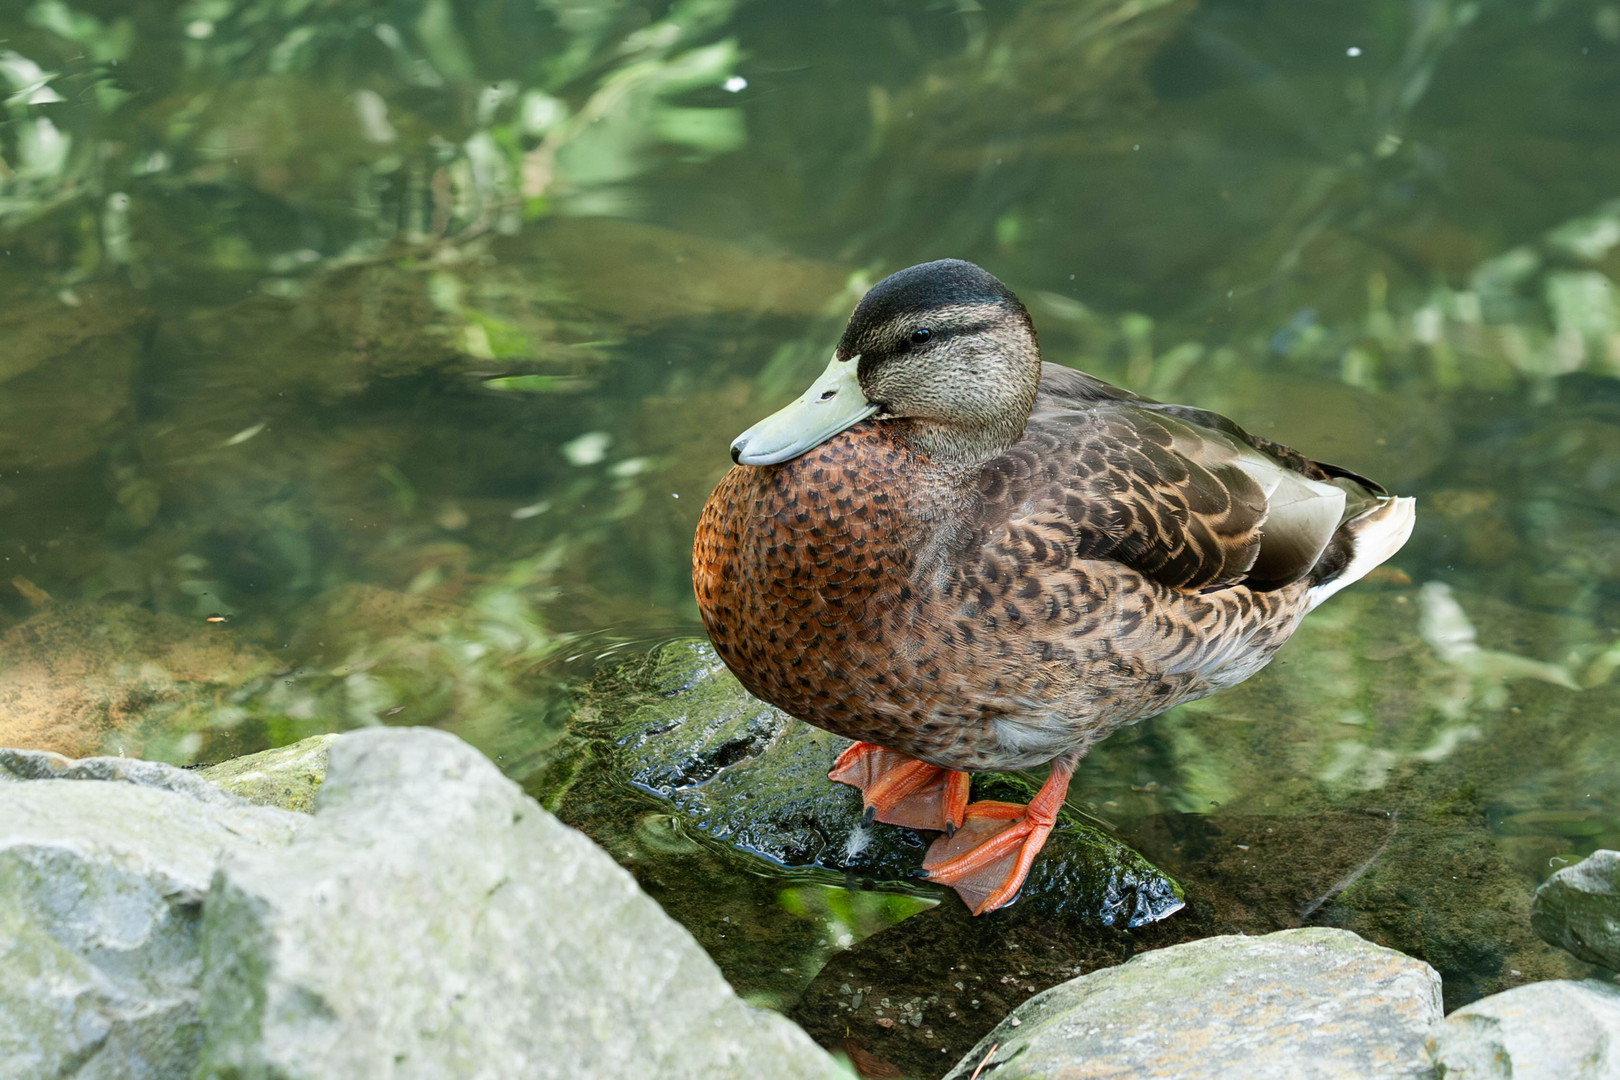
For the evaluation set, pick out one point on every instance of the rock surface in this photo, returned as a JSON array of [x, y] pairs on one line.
[[47, 765], [1299, 1003], [748, 776], [1558, 1030], [104, 865], [916, 994], [432, 921], [429, 920], [1578, 909], [287, 777]]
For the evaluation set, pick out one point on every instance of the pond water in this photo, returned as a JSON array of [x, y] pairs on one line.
[[370, 362]]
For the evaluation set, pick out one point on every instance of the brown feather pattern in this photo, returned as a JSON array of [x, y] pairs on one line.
[[993, 616]]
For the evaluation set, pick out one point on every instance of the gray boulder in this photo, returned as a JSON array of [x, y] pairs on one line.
[[1557, 1030], [433, 921], [104, 867], [1316, 1003], [1578, 909], [429, 920]]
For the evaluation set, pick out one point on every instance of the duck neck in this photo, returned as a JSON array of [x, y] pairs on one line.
[[955, 453], [941, 484]]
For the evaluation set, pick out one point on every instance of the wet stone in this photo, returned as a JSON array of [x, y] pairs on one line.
[[677, 725], [1578, 909]]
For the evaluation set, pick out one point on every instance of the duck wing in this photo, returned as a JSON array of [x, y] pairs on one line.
[[1182, 496]]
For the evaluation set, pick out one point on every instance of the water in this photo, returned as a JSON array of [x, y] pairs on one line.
[[370, 362]]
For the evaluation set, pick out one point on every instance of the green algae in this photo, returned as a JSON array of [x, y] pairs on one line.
[[288, 777]]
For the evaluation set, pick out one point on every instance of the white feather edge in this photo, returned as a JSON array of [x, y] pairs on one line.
[[1379, 533]]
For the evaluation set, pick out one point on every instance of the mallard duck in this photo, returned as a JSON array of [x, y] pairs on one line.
[[967, 560]]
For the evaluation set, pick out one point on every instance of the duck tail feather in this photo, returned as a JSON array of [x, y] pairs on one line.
[[1375, 535]]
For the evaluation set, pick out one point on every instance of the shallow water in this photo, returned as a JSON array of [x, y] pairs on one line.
[[370, 363]]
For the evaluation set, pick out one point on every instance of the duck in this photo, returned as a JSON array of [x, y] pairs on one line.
[[966, 560]]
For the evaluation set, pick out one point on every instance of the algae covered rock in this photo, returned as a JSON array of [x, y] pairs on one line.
[[1316, 1002], [676, 724], [1578, 909], [287, 777], [1556, 1030]]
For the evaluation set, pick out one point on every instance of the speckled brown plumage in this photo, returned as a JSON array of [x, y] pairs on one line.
[[993, 619], [996, 596]]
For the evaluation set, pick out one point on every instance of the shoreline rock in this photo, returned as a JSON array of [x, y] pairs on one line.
[[428, 920], [105, 864], [1578, 909], [1557, 1030], [1316, 1002]]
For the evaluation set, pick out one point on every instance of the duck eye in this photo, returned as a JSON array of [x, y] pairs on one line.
[[920, 336]]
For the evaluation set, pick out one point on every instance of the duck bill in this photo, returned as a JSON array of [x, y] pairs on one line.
[[834, 402]]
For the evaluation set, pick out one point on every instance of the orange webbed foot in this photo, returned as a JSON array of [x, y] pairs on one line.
[[900, 790], [988, 858]]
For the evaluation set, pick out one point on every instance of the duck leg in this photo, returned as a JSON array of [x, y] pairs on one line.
[[987, 859], [901, 790]]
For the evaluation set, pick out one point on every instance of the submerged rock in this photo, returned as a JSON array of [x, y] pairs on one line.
[[1558, 1030], [84, 678], [1316, 1002], [427, 921], [645, 273], [1578, 909], [66, 373], [678, 725], [1442, 890]]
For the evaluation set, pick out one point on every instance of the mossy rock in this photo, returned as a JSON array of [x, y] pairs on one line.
[[287, 777]]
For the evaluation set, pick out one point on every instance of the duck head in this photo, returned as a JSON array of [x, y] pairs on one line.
[[943, 351]]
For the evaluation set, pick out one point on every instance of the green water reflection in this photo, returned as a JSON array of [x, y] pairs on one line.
[[369, 362]]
